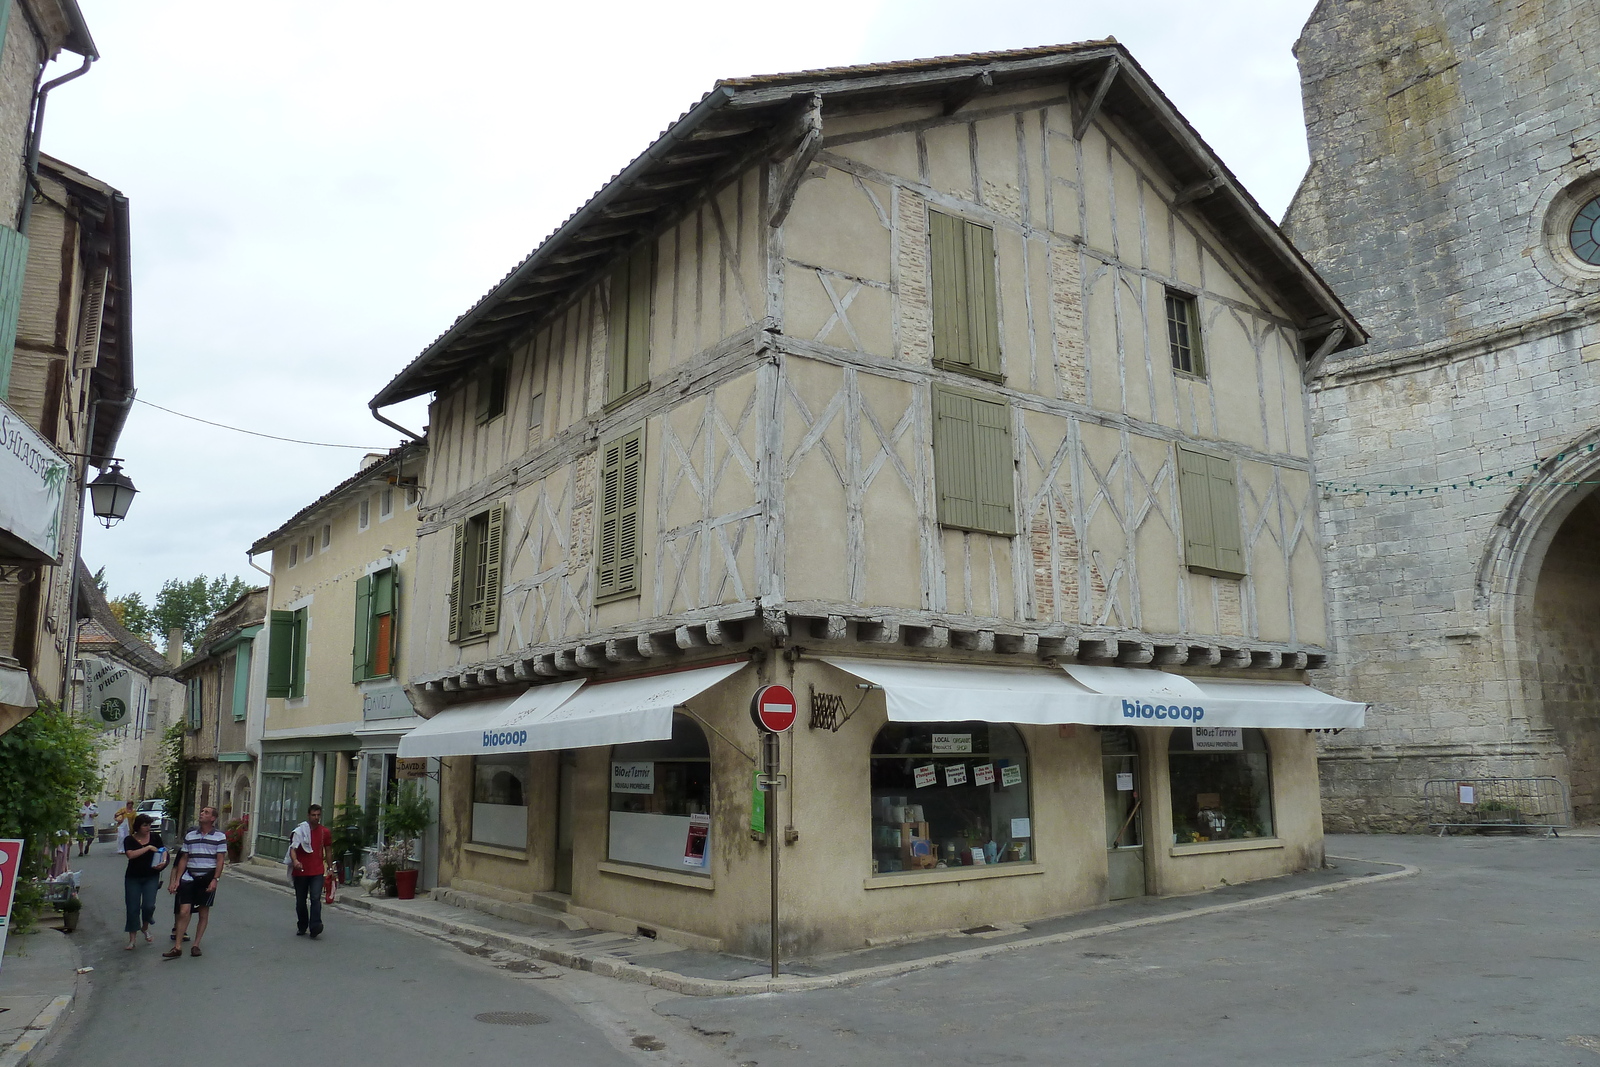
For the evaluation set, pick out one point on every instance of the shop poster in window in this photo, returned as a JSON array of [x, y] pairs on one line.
[[1218, 738], [923, 777], [983, 774], [1124, 781], [952, 744], [955, 774], [694, 848], [1010, 775], [633, 777]]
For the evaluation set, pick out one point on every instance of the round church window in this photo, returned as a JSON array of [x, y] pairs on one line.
[[1586, 232]]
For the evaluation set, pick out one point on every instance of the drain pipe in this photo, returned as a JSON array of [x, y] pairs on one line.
[[34, 137], [394, 425]]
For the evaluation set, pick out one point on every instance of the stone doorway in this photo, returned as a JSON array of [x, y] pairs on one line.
[[1565, 636]]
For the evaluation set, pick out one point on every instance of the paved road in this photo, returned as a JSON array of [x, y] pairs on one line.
[[1490, 957], [364, 992]]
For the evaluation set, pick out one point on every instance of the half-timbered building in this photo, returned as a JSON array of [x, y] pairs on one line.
[[963, 397]]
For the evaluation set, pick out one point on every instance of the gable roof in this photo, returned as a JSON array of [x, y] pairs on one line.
[[392, 463], [744, 119]]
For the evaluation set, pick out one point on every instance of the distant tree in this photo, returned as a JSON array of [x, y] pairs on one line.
[[190, 604], [100, 581]]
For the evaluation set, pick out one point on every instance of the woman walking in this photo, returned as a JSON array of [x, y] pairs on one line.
[[146, 854]]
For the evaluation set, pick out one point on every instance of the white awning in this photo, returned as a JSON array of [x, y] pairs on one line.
[[1095, 696], [564, 715]]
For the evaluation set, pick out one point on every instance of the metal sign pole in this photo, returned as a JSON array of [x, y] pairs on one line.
[[772, 838]]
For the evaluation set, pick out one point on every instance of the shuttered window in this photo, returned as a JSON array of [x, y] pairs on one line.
[[194, 692], [377, 629], [621, 487], [1184, 343], [491, 391], [966, 319], [241, 682], [286, 654], [972, 463], [1210, 496], [628, 328], [475, 575], [13, 266]]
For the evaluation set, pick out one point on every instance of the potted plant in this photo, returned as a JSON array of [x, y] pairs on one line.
[[69, 914], [405, 820], [352, 832], [390, 860], [235, 832]]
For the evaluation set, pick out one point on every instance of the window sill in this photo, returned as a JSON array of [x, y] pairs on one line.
[[1236, 576], [951, 874], [632, 394], [1206, 848], [611, 598], [471, 639], [496, 850], [654, 874], [1189, 375], [969, 371]]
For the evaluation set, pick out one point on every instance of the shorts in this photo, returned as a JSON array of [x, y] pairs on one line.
[[86, 833], [195, 894]]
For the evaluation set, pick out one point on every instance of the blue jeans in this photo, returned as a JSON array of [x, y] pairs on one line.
[[139, 894], [308, 885]]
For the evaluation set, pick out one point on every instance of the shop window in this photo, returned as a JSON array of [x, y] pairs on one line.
[[661, 801], [475, 575], [951, 794], [500, 801], [285, 792], [377, 632], [1221, 783]]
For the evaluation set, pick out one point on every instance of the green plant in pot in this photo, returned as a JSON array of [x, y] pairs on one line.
[[69, 913], [353, 830], [404, 820]]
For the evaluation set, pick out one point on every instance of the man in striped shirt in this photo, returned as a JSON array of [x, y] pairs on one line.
[[195, 879]]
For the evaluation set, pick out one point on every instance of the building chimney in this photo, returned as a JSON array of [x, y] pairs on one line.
[[370, 460], [175, 646]]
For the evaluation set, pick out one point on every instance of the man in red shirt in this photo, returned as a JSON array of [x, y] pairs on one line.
[[310, 855]]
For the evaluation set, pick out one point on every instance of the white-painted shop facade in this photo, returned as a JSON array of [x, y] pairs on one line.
[[963, 397]]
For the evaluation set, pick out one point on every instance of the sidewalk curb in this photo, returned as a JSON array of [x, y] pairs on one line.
[[38, 1033], [717, 987]]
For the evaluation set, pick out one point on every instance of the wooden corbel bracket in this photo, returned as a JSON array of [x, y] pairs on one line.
[[794, 171]]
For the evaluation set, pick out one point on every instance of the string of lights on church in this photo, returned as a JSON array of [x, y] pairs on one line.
[[1482, 481]]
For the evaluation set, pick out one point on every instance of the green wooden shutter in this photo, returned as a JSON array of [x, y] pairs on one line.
[[617, 334], [241, 681], [1225, 530], [280, 654], [297, 681], [947, 253], [993, 466], [983, 315], [13, 268], [457, 591], [621, 491], [192, 693], [1197, 347], [641, 276], [605, 550], [491, 569], [954, 459], [393, 586], [630, 491], [361, 653], [1194, 493], [966, 319]]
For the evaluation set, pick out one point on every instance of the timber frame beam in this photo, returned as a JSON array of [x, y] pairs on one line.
[[794, 171], [1109, 75]]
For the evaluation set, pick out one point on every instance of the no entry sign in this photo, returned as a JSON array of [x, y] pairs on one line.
[[773, 708]]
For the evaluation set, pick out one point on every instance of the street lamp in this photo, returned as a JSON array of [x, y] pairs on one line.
[[111, 494]]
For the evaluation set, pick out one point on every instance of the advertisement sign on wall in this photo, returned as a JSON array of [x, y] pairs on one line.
[[33, 484], [10, 858]]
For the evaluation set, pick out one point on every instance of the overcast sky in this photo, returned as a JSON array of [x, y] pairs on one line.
[[319, 188]]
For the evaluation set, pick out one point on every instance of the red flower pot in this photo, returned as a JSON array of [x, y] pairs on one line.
[[405, 884]]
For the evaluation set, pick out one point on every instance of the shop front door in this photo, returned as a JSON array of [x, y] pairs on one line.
[[566, 771], [1119, 757]]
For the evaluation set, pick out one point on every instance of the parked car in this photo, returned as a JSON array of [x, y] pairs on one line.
[[157, 810]]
